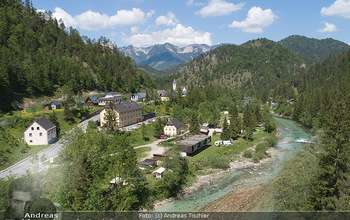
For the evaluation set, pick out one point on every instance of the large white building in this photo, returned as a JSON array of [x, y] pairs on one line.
[[126, 113], [40, 132]]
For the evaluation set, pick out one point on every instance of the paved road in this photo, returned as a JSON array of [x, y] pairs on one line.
[[22, 167]]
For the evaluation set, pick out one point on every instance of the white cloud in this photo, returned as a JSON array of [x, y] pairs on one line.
[[150, 13], [328, 28], [340, 8], [179, 35], [256, 20], [134, 29], [169, 20], [191, 2], [94, 21], [218, 8]]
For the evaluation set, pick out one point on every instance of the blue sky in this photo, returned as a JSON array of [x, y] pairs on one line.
[[183, 22]]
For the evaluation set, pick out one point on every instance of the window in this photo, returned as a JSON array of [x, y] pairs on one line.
[[32, 128], [37, 128], [40, 134], [30, 134], [30, 141]]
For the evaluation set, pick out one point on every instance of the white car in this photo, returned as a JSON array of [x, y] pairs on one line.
[[218, 143], [227, 142]]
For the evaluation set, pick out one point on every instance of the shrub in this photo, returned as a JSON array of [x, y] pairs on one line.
[[219, 162], [271, 141], [256, 158], [261, 149], [248, 154]]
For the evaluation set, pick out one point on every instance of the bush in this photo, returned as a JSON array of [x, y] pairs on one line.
[[271, 141], [248, 154], [219, 163], [261, 149], [256, 158]]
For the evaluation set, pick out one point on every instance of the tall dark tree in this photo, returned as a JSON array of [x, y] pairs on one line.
[[53, 118], [226, 134], [158, 128], [235, 122], [333, 178], [248, 122], [194, 126], [111, 119]]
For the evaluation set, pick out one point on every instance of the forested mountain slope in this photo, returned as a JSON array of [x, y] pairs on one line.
[[38, 55], [314, 49], [253, 67]]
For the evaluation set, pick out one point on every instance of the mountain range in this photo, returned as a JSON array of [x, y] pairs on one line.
[[256, 66], [164, 56]]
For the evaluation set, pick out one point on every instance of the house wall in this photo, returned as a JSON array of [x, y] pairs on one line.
[[164, 99], [37, 135], [89, 103], [171, 130], [124, 118]]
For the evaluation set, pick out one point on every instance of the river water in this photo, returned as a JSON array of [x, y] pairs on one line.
[[293, 137]]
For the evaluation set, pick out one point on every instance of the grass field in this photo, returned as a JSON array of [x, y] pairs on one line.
[[16, 154]]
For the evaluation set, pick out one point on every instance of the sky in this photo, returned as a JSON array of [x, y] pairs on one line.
[[144, 23]]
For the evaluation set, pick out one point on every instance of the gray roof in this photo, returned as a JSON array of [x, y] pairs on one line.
[[140, 95], [193, 140], [93, 99], [114, 98], [44, 123], [56, 102], [127, 106], [175, 122]]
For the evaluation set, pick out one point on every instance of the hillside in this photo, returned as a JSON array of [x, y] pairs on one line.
[[252, 67], [314, 49], [164, 56], [39, 56]]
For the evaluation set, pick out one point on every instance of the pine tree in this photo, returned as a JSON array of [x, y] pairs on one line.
[[194, 126], [68, 105], [226, 134], [53, 118], [158, 128], [248, 122], [144, 131], [235, 123], [333, 177], [111, 119]]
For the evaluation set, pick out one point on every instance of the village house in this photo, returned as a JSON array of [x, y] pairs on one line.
[[159, 173], [173, 127], [163, 96], [110, 97], [138, 97], [40, 132], [91, 101], [54, 105], [127, 113], [204, 130], [182, 88]]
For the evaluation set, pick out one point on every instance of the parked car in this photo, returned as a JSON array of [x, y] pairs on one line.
[[227, 142], [162, 137], [218, 143]]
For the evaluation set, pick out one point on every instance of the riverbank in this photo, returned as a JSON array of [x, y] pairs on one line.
[[207, 179]]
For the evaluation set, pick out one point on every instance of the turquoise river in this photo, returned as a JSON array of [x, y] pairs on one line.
[[293, 137]]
